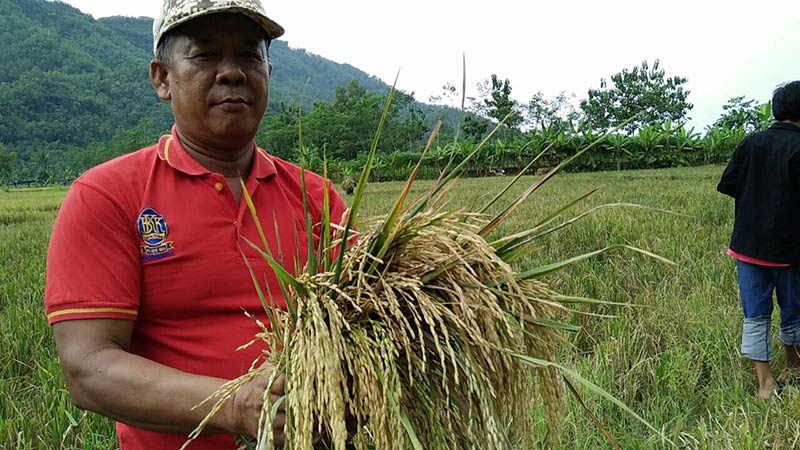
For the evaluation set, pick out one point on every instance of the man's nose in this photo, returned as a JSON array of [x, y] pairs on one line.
[[230, 71]]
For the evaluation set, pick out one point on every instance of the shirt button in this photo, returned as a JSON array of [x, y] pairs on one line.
[[219, 187]]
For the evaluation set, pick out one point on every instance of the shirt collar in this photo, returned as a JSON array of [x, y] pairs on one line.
[[171, 151], [785, 126]]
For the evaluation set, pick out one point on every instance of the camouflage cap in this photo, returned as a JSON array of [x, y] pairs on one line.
[[176, 12]]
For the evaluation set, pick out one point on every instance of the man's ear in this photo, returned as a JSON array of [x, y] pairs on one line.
[[159, 77], [269, 68]]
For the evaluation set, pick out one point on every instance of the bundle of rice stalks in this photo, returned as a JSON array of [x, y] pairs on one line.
[[416, 332]]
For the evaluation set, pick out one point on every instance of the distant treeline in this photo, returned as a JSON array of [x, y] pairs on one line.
[[342, 132], [74, 93]]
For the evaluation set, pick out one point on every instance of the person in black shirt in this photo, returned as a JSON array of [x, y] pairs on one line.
[[763, 176]]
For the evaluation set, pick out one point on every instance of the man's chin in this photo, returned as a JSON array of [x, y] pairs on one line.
[[222, 134], [235, 131], [228, 139]]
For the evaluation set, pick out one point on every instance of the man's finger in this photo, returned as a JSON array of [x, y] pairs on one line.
[[279, 385], [280, 439], [278, 423]]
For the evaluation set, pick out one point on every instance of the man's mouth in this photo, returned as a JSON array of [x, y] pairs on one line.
[[233, 104], [234, 100]]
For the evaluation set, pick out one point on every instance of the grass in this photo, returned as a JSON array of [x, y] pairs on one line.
[[672, 356], [35, 411]]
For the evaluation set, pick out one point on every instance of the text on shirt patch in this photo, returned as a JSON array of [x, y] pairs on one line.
[[153, 230]]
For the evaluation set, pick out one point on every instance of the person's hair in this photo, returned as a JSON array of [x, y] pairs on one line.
[[167, 42], [786, 102], [164, 49]]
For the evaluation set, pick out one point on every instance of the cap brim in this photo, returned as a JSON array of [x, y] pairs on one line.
[[270, 27]]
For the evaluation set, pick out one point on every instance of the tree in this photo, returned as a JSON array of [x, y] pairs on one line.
[[346, 127], [7, 159], [454, 100], [474, 127], [42, 162], [497, 102], [280, 130], [406, 125], [745, 114], [449, 96], [643, 90], [557, 114]]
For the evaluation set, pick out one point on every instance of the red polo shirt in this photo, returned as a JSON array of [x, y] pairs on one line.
[[156, 238]]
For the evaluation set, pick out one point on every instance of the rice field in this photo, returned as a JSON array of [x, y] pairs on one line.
[[671, 354]]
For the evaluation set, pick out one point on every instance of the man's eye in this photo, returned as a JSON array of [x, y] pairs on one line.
[[252, 56], [202, 55]]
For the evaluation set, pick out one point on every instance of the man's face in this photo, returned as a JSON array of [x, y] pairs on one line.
[[218, 80]]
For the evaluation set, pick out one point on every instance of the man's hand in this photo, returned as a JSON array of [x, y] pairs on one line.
[[247, 404]]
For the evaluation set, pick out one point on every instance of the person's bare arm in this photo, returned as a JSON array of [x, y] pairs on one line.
[[104, 377]]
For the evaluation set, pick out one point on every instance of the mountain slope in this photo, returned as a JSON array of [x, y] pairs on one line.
[[69, 80]]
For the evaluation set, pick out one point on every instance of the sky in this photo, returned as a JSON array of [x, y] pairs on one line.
[[724, 48]]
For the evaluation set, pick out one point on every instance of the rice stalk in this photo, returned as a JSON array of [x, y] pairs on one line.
[[384, 349], [417, 333]]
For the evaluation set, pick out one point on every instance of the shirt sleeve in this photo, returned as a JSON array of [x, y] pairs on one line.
[[729, 182], [93, 262]]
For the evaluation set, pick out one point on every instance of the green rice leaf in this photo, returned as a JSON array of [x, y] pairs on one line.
[[254, 214], [444, 267], [410, 431], [535, 362], [539, 272], [590, 301], [514, 180], [326, 215], [517, 251], [276, 406], [71, 419], [283, 275], [591, 415], [456, 171], [598, 208], [491, 226], [388, 229], [268, 308], [507, 247], [311, 264], [569, 205], [555, 324], [362, 183]]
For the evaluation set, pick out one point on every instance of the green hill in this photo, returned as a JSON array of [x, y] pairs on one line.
[[68, 81]]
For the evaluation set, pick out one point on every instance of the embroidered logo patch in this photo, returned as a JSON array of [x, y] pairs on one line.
[[153, 230]]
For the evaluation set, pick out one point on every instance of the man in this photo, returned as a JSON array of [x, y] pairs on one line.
[[764, 177], [146, 277]]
